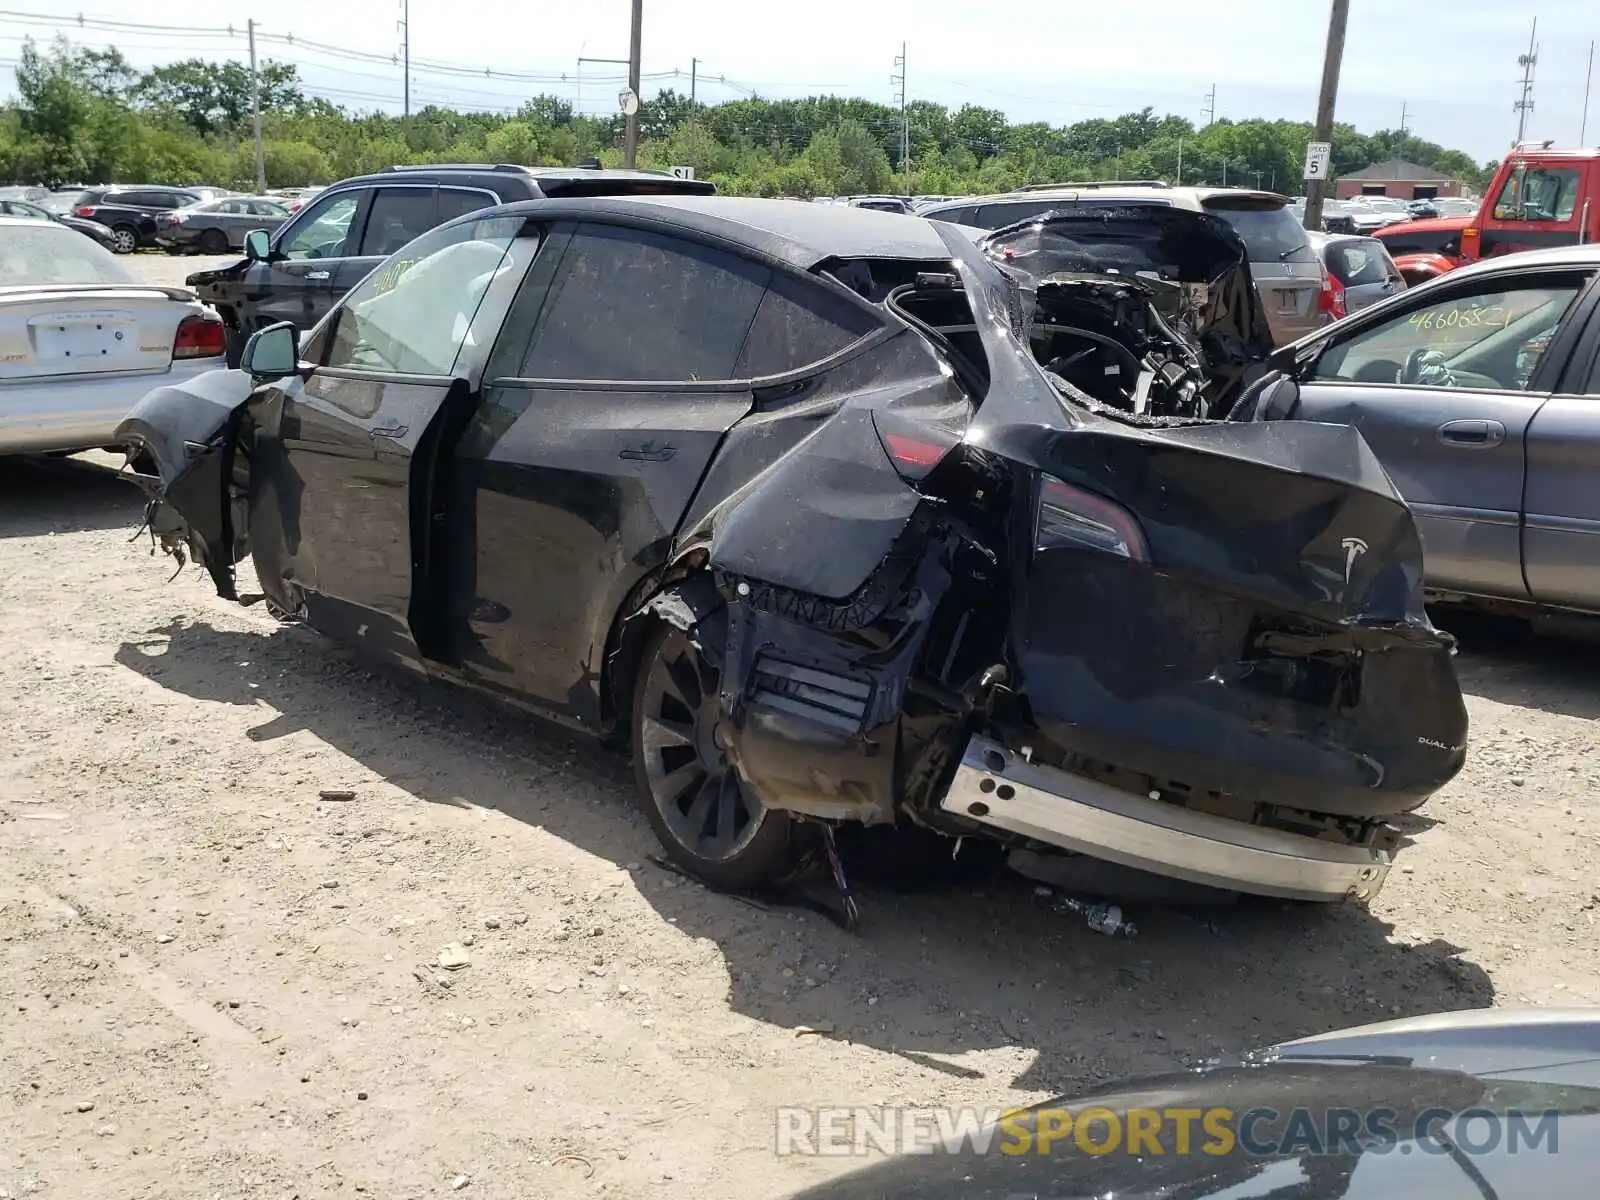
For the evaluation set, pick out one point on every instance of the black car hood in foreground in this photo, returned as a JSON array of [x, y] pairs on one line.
[[1170, 284], [1403, 1091]]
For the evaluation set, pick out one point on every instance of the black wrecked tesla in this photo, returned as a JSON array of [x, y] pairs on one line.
[[843, 516]]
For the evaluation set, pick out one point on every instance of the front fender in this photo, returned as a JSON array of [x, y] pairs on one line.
[[190, 433]]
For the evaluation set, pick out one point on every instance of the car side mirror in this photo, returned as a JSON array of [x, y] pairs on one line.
[[257, 247], [1278, 400], [272, 353]]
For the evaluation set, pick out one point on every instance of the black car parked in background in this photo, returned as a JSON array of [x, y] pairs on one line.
[[349, 228], [130, 213]]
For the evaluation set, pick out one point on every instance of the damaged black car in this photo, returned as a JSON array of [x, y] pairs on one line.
[[848, 517]]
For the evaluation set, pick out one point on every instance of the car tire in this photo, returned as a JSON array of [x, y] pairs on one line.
[[687, 787], [213, 241], [124, 239]]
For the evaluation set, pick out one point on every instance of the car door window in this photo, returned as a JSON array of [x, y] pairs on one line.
[[458, 202], [636, 305], [324, 229], [414, 313], [1491, 336], [1538, 194], [398, 215], [799, 323]]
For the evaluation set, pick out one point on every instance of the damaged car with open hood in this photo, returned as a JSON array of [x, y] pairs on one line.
[[841, 517]]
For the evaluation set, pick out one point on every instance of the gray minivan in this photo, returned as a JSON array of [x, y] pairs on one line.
[[1288, 273]]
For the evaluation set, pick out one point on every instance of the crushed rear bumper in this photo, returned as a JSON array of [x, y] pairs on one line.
[[997, 788]]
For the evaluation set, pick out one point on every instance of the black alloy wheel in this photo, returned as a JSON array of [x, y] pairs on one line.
[[705, 818]]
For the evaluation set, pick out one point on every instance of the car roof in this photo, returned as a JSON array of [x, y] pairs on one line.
[[791, 231], [1587, 255]]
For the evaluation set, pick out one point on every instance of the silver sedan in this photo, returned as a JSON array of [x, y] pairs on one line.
[[81, 341]]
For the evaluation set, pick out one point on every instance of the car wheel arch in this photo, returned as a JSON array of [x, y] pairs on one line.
[[679, 593]]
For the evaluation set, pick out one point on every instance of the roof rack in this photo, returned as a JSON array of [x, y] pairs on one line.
[[1096, 183], [457, 167]]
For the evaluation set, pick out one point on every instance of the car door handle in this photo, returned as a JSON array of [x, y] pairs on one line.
[[649, 452], [1475, 435], [318, 276]]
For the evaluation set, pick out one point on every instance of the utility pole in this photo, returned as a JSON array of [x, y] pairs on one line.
[[1210, 110], [1332, 58], [630, 142], [1588, 78], [1180, 162], [1527, 62], [255, 109], [405, 47], [1400, 148], [905, 122]]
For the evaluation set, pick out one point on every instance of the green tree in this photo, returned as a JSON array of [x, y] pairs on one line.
[[215, 97]]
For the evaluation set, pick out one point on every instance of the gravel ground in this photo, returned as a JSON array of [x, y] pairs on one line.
[[217, 984]]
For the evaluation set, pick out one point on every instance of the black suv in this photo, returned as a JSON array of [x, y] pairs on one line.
[[331, 244], [130, 212]]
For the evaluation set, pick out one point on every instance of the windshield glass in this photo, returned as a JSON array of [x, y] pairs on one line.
[[1271, 234], [1538, 194], [40, 253]]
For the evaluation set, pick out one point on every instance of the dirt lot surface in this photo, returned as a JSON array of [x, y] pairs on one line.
[[215, 983]]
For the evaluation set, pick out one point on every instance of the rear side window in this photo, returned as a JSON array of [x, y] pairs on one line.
[[956, 216], [797, 324], [458, 202], [634, 305], [1271, 234], [1356, 263], [397, 216]]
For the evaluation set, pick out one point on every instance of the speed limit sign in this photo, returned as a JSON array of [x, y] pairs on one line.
[[1317, 156]]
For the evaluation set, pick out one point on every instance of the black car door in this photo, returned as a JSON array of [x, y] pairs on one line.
[[343, 462], [298, 283], [608, 393]]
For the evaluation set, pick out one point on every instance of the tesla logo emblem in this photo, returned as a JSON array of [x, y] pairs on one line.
[[1354, 548]]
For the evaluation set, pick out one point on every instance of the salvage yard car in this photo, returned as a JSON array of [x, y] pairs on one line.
[[217, 226], [81, 341], [807, 504], [1479, 394]]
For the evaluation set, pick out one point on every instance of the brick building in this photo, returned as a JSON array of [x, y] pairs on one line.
[[1398, 178]]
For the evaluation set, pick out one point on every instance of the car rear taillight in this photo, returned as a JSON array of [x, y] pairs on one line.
[[83, 210], [1332, 299], [1073, 519], [916, 445], [199, 337]]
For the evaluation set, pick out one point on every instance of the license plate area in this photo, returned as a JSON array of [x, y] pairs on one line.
[[84, 337], [1288, 301]]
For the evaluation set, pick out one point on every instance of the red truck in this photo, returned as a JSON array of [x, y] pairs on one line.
[[1538, 197]]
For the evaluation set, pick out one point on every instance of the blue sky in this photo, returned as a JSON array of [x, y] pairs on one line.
[[1452, 64]]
